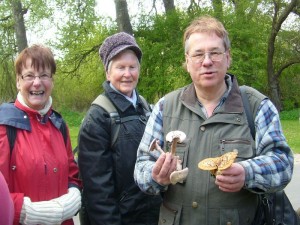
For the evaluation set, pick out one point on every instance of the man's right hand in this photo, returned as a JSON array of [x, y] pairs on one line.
[[164, 166]]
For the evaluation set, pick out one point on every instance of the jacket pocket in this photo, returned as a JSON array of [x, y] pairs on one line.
[[169, 214], [229, 216], [244, 147]]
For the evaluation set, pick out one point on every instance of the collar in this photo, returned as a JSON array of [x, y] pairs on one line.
[[132, 99], [43, 111]]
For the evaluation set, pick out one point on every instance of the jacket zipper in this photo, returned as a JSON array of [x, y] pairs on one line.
[[238, 141]]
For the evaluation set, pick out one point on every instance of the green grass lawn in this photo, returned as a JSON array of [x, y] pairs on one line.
[[74, 134], [291, 129]]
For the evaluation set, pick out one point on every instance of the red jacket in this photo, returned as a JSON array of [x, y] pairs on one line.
[[41, 165]]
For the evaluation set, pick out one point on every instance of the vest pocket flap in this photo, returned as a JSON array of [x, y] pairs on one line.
[[243, 147], [169, 214], [182, 151], [229, 216]]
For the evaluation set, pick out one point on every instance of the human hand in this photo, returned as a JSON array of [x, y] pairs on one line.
[[163, 167], [232, 179]]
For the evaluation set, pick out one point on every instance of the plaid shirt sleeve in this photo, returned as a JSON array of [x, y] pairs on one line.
[[146, 159], [271, 170]]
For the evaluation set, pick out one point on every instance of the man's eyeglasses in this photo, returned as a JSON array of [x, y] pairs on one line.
[[214, 56], [31, 77]]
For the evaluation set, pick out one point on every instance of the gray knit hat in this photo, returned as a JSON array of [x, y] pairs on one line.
[[116, 43]]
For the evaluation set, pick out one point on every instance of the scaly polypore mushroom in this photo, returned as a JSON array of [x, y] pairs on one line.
[[218, 164]]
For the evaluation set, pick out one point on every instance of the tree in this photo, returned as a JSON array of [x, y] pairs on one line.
[[169, 5], [274, 66], [123, 19], [20, 31]]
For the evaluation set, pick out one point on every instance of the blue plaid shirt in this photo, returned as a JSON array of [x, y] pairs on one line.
[[269, 171]]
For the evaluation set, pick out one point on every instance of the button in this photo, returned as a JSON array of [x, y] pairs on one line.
[[228, 223], [194, 205], [164, 221], [55, 170], [202, 128], [14, 167], [238, 119]]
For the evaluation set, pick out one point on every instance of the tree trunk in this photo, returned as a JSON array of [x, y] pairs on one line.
[[280, 15], [169, 5], [123, 19], [19, 24]]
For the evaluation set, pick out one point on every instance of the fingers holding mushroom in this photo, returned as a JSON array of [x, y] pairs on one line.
[[173, 137]]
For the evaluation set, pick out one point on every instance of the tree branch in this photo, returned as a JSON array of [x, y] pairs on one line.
[[79, 60], [285, 66]]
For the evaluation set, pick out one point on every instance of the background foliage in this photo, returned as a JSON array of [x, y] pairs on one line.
[[77, 31]]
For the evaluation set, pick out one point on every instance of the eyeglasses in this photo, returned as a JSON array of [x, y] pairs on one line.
[[214, 56], [31, 77]]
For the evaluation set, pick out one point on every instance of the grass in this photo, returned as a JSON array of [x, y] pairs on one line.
[[74, 134], [291, 130], [290, 122]]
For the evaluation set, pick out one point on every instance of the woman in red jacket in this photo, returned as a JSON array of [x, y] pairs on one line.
[[39, 166]]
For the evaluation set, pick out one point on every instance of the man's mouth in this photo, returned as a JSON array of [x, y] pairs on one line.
[[208, 72]]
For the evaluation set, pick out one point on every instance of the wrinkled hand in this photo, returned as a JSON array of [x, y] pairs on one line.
[[232, 179], [164, 166]]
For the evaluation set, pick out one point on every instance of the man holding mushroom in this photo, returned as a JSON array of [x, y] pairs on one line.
[[211, 114]]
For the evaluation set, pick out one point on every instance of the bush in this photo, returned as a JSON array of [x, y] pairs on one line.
[[290, 115]]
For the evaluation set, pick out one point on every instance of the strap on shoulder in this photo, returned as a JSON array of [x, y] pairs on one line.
[[248, 111], [104, 102], [11, 133], [146, 106]]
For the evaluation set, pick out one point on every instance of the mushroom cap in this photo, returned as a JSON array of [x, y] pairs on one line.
[[176, 134], [179, 176]]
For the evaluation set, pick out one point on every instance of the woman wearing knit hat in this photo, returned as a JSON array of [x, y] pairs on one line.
[[110, 194]]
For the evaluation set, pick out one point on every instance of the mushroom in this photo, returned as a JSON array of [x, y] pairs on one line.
[[155, 146], [218, 164], [175, 137], [179, 176]]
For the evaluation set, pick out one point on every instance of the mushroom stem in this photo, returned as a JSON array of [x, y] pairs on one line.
[[173, 145]]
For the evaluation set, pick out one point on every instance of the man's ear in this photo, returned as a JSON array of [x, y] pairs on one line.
[[228, 59], [185, 64]]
